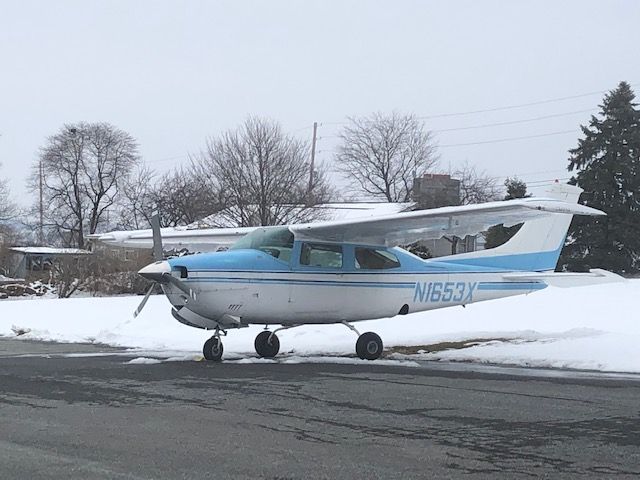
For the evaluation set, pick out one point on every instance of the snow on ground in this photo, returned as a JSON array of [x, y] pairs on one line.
[[593, 327], [144, 361]]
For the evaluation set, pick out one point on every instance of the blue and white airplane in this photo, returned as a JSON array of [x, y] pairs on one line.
[[347, 271]]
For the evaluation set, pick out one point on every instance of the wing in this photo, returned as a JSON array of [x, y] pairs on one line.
[[409, 227], [204, 240]]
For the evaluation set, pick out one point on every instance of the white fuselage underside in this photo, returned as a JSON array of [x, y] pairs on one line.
[[293, 298]]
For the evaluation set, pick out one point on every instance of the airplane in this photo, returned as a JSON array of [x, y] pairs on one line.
[[343, 272]]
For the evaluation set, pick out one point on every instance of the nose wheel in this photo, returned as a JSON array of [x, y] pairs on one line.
[[213, 349]]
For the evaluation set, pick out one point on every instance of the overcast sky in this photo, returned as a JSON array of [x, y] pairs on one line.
[[172, 73]]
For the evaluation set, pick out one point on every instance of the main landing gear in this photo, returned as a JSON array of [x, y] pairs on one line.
[[267, 344], [368, 346]]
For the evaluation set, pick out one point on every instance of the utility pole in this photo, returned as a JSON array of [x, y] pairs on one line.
[[313, 158], [41, 232]]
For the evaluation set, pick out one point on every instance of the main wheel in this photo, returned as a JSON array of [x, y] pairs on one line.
[[369, 346], [266, 348], [213, 349]]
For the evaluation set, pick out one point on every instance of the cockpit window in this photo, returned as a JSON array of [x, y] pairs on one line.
[[276, 241], [375, 259]]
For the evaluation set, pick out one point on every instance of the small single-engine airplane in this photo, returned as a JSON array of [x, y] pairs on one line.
[[347, 271]]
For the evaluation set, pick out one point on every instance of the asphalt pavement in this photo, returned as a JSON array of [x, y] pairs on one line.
[[81, 412]]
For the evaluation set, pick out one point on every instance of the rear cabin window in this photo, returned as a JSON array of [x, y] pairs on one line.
[[373, 259], [321, 255]]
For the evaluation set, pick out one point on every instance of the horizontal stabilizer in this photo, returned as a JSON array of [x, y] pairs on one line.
[[567, 279]]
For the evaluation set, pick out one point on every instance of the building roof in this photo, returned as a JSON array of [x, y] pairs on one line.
[[50, 251], [5, 280]]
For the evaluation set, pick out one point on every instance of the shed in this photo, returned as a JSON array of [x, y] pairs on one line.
[[38, 259]]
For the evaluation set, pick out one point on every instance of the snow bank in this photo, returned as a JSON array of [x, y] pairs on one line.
[[593, 327]]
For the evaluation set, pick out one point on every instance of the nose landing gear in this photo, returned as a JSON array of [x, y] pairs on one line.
[[213, 348]]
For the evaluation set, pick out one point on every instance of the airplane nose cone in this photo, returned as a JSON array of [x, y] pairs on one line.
[[154, 271]]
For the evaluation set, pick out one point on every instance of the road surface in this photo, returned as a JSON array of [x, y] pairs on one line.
[[80, 411]]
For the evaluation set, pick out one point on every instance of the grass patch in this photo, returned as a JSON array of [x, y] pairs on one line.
[[440, 346]]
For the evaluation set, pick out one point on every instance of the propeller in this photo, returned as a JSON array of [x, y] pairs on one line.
[[144, 300], [159, 271]]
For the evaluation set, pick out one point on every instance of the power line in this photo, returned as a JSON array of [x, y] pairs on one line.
[[167, 159], [484, 142], [544, 182], [508, 139], [513, 122], [502, 108], [521, 105], [539, 172]]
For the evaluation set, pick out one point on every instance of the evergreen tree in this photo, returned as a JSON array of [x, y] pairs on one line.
[[607, 165], [499, 234]]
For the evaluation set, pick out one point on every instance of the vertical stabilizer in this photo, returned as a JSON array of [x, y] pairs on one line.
[[535, 247]]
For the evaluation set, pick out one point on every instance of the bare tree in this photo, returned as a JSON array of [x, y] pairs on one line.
[[382, 154], [9, 236], [136, 204], [476, 187], [8, 209], [84, 166], [262, 174], [183, 197]]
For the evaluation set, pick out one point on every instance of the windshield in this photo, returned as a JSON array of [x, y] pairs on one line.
[[276, 241]]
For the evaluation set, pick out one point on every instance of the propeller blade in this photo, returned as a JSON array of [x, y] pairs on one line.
[[157, 237], [179, 284], [144, 301]]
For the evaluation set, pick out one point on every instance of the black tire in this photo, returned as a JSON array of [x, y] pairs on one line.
[[369, 346], [213, 349], [264, 348]]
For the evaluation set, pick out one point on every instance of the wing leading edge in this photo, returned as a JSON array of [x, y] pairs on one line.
[[409, 227], [203, 240]]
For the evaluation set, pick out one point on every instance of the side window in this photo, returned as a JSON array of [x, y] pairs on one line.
[[321, 255], [373, 259]]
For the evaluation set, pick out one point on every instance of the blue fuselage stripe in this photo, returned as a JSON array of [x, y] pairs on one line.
[[511, 286], [290, 281], [335, 283]]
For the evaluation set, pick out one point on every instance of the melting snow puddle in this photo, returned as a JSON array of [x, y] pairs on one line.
[[285, 360]]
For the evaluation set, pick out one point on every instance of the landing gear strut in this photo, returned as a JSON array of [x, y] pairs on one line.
[[213, 348], [369, 345], [267, 344]]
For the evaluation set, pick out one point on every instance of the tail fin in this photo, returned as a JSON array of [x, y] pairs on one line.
[[535, 247]]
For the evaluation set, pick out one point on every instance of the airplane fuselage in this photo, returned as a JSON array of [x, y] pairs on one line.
[[254, 287]]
